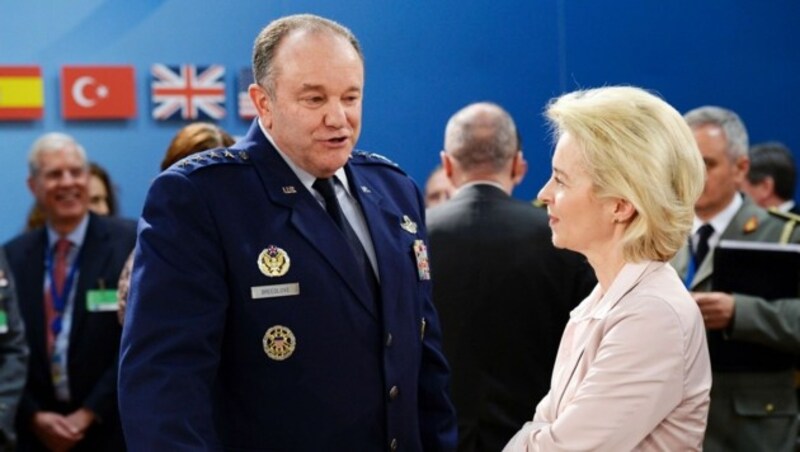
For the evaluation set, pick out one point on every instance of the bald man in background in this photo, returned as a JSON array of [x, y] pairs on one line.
[[502, 290]]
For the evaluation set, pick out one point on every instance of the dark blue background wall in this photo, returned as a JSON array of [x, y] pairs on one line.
[[424, 60]]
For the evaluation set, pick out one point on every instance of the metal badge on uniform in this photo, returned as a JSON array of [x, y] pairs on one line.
[[289, 190], [421, 253], [408, 225], [365, 189], [751, 225], [273, 261], [279, 342]]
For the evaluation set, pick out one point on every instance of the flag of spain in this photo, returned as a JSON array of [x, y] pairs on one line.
[[21, 93]]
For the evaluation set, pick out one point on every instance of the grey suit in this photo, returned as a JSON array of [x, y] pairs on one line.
[[13, 356], [752, 409]]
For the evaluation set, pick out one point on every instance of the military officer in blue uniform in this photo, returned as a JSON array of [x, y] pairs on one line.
[[280, 297]]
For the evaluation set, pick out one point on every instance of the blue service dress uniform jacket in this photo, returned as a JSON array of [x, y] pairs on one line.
[[220, 355]]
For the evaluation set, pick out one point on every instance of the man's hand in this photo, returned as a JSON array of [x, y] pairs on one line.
[[717, 308], [55, 431], [81, 419]]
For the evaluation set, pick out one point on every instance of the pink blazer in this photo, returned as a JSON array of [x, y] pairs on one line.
[[632, 371]]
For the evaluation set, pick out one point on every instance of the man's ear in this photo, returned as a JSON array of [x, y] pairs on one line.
[[769, 185], [519, 167], [263, 104], [742, 165], [32, 185], [447, 165]]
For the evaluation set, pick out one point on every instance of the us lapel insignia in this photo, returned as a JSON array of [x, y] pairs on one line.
[[273, 261], [289, 190], [408, 225], [421, 253], [365, 189], [279, 342], [750, 225]]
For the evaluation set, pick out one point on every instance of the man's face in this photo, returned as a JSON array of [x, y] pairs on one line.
[[723, 176], [438, 189], [315, 115], [60, 186]]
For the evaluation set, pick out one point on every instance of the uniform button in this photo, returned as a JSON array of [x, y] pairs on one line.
[[393, 444], [769, 408], [388, 339], [393, 392]]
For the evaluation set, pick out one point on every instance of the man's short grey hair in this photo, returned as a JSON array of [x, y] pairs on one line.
[[727, 120], [267, 42], [481, 134], [52, 142]]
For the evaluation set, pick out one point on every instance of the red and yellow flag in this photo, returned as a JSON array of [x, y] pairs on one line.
[[21, 93]]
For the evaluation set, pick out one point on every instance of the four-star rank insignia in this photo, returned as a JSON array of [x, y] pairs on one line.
[[273, 261], [279, 342]]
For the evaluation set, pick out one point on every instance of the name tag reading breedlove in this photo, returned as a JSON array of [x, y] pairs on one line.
[[101, 300], [276, 290]]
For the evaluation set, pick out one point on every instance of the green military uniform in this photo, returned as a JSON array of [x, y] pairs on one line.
[[752, 408]]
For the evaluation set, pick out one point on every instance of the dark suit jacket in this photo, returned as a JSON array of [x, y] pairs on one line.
[[195, 373], [504, 294], [13, 356], [94, 337]]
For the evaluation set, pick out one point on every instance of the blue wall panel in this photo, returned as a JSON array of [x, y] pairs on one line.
[[424, 60]]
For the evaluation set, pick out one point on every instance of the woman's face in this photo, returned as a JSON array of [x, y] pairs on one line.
[[579, 220], [98, 196]]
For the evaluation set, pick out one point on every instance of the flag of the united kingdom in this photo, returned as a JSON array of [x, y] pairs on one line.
[[188, 91]]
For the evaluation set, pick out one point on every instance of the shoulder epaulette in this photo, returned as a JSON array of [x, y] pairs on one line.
[[209, 158], [371, 158], [792, 220]]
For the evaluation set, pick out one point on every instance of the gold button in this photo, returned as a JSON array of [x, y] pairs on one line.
[[770, 408], [393, 392]]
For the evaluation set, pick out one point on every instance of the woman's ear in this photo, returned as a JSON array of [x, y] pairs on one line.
[[623, 211]]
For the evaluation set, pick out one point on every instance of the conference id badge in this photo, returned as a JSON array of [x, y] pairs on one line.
[[3, 322], [101, 300]]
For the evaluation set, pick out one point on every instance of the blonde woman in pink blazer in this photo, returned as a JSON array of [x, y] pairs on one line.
[[632, 371]]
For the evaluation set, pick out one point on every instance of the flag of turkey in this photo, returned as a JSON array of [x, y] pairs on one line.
[[98, 92]]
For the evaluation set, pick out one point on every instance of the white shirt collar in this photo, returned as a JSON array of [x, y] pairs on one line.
[[306, 178], [76, 237], [721, 220], [786, 206]]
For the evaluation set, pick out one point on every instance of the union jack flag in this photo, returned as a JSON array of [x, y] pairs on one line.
[[188, 92]]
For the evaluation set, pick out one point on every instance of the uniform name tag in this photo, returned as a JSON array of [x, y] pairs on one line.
[[276, 290], [3, 322], [101, 300]]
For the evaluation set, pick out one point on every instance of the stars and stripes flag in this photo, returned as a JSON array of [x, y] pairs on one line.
[[188, 91]]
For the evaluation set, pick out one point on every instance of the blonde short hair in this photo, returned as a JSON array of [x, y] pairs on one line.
[[637, 147]]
